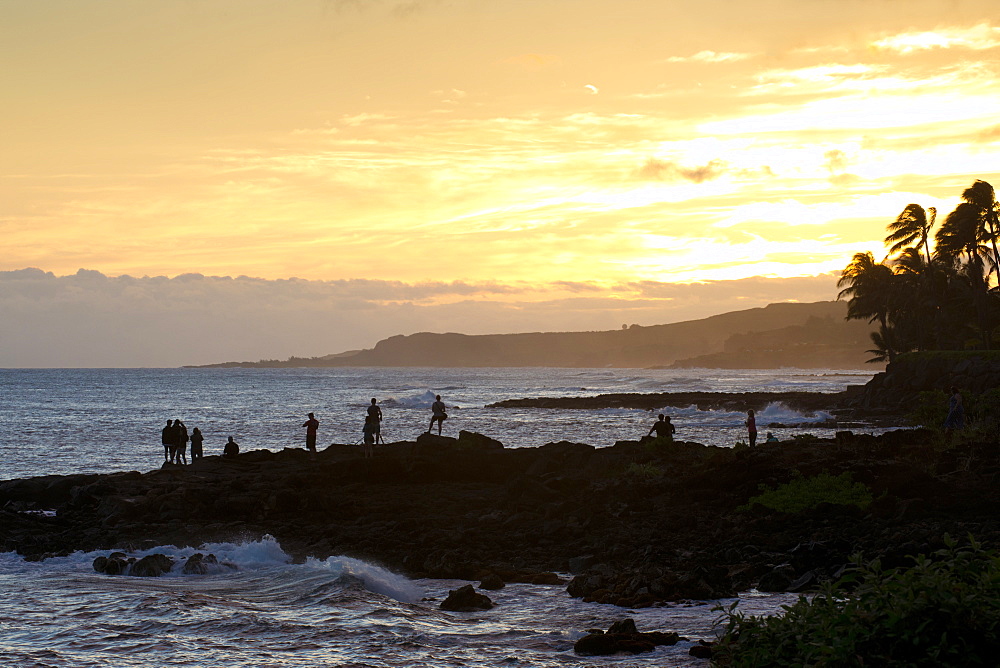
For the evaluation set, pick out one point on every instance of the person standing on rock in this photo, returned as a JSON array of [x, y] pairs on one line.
[[180, 442], [664, 429], [311, 425], [197, 451], [751, 424], [956, 412], [368, 434], [167, 437], [375, 413], [439, 414]]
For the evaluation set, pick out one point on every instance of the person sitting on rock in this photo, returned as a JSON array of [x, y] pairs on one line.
[[231, 449], [771, 438], [664, 429]]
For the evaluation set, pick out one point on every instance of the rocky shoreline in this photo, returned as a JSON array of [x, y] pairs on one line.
[[732, 401], [634, 524]]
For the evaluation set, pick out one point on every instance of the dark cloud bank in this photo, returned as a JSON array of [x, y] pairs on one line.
[[91, 320]]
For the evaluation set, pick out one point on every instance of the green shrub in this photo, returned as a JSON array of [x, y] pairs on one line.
[[942, 611], [930, 410], [643, 470], [804, 493]]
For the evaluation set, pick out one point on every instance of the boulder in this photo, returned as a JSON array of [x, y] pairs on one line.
[[580, 564], [152, 565], [466, 599], [470, 439], [779, 579], [623, 636], [701, 650], [492, 581], [113, 564], [197, 564]]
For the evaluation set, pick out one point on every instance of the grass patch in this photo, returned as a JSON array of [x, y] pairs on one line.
[[804, 493], [643, 470]]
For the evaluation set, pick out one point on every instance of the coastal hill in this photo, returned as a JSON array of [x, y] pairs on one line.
[[813, 335]]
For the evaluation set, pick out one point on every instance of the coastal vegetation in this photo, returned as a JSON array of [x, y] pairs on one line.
[[802, 493], [982, 414], [931, 297], [940, 611]]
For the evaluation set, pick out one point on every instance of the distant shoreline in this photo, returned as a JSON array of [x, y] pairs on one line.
[[783, 335]]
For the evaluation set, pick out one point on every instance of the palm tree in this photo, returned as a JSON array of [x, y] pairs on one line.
[[868, 286], [961, 234], [982, 196], [886, 343], [912, 225]]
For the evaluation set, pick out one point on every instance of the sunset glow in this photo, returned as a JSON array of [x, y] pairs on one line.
[[528, 144]]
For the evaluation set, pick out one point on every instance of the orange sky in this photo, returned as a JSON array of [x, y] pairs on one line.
[[527, 143]]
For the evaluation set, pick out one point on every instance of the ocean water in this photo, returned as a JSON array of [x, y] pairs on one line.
[[330, 611], [61, 421]]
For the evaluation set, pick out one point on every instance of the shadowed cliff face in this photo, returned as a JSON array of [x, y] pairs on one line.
[[635, 522]]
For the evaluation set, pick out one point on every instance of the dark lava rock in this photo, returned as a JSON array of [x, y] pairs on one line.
[[478, 441], [466, 599], [701, 651], [152, 565], [779, 579], [197, 564], [623, 636], [113, 564], [492, 581]]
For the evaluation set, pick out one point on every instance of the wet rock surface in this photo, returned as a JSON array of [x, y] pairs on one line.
[[623, 637], [669, 529], [466, 599]]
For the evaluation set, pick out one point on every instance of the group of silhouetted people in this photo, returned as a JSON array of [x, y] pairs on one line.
[[175, 440], [665, 430]]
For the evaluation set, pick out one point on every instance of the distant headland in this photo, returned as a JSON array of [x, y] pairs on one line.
[[803, 335]]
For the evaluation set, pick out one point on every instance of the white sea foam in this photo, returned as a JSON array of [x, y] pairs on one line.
[[375, 578], [263, 555]]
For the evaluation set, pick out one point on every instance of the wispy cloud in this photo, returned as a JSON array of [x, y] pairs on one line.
[[980, 37], [711, 57], [662, 170]]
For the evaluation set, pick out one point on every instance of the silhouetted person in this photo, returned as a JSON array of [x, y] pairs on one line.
[[956, 412], [180, 442], [664, 429], [439, 416], [197, 452], [311, 425], [231, 449], [368, 434], [751, 424], [771, 438], [176, 434], [375, 413], [167, 436]]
